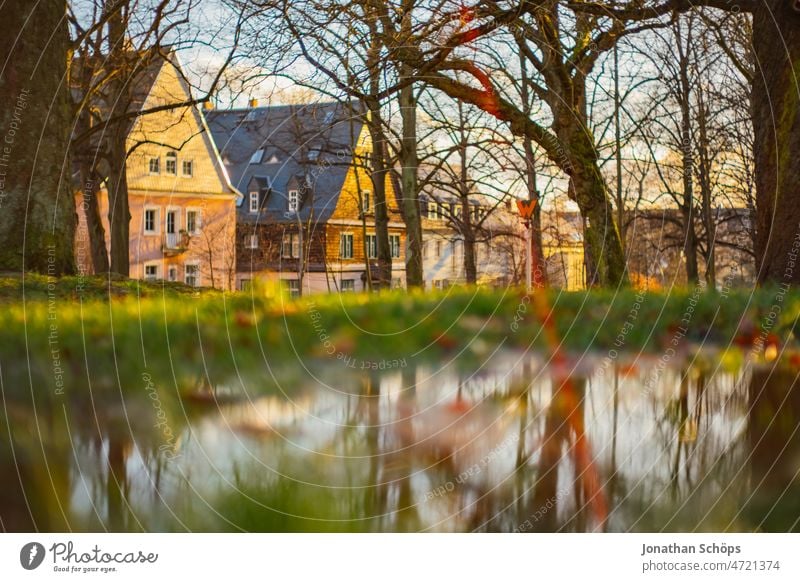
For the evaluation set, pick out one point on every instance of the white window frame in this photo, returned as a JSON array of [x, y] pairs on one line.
[[253, 201], [290, 245], [351, 286], [394, 249], [293, 200], [188, 264], [171, 156], [431, 210], [191, 168], [157, 160], [252, 241], [293, 286], [345, 236], [366, 196], [156, 221], [146, 266], [372, 248], [245, 284], [198, 220], [177, 211], [170, 270]]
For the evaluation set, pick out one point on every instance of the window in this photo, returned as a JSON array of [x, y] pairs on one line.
[[171, 167], [294, 197], [432, 210], [293, 286], [257, 156], [192, 275], [328, 117], [372, 246], [346, 246], [253, 201], [313, 154], [172, 273], [252, 241], [244, 284], [394, 245], [151, 272], [440, 212], [348, 286], [172, 221], [290, 248], [425, 250], [192, 221], [155, 165], [151, 220], [187, 168], [459, 211], [437, 249], [366, 196], [453, 249]]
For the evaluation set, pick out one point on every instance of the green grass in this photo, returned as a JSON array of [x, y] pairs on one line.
[[181, 338]]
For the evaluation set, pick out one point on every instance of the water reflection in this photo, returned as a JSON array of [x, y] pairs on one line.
[[512, 446]]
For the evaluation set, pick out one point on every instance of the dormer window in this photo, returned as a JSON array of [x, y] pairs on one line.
[[294, 199], [253, 199], [171, 167], [366, 200], [257, 156]]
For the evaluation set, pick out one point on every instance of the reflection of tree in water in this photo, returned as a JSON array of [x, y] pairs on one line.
[[773, 503]]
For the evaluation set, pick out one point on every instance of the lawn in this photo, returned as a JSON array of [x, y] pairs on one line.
[[170, 330]]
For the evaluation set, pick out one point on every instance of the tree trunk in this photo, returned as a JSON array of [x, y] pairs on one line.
[[91, 209], [538, 270], [383, 278], [687, 169], [776, 124], [119, 216], [605, 259], [410, 188], [37, 206]]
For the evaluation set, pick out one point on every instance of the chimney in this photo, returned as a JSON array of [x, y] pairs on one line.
[[253, 102]]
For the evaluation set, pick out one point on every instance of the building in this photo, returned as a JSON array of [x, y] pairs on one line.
[[182, 203], [499, 245], [308, 214]]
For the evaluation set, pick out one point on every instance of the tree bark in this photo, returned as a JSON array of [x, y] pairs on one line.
[[119, 216], [98, 252], [776, 124], [37, 207], [410, 187], [383, 278]]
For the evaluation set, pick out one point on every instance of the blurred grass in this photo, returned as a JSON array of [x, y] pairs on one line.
[[178, 335]]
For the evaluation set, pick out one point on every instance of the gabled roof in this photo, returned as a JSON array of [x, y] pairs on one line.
[[282, 146]]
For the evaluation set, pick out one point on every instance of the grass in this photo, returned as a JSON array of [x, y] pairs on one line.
[[184, 339]]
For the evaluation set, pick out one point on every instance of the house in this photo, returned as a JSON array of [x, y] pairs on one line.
[[308, 214], [654, 248], [499, 248], [182, 204]]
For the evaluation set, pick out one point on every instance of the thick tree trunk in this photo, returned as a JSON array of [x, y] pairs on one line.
[[776, 123], [37, 207], [605, 259], [410, 188]]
